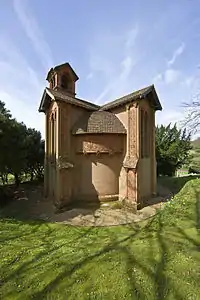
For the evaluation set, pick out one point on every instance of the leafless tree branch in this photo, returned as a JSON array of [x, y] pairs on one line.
[[192, 115]]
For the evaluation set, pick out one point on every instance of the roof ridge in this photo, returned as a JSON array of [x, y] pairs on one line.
[[73, 98], [119, 99], [143, 92], [129, 94]]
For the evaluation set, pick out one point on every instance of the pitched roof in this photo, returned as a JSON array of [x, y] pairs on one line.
[[61, 95], [139, 94], [98, 122], [62, 66]]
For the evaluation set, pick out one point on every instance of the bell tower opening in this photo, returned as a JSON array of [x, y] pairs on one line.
[[63, 77], [66, 82]]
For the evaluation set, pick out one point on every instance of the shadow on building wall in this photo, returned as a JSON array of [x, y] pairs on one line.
[[84, 193]]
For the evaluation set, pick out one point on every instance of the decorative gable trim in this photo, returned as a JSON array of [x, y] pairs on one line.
[[59, 95]]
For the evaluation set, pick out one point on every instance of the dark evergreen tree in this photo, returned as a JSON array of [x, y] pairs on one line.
[[172, 149]]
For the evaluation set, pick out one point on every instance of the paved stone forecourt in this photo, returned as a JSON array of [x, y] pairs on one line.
[[29, 204]]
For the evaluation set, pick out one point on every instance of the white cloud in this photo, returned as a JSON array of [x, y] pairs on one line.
[[113, 57], [188, 81], [89, 76], [176, 53], [104, 93], [158, 78], [131, 37], [33, 32], [169, 116], [118, 85], [26, 113], [20, 86], [171, 76], [192, 82], [126, 64]]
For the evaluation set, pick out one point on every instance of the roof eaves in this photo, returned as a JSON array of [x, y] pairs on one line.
[[132, 97], [46, 92], [49, 73], [125, 99], [69, 66], [77, 102], [49, 93], [60, 95], [157, 101], [95, 106], [117, 103], [146, 92], [159, 106]]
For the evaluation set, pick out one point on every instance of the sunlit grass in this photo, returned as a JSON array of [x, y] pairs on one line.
[[158, 259]]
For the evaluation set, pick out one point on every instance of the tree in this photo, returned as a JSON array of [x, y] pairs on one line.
[[21, 148], [195, 163], [4, 111], [172, 149], [5, 118], [34, 153], [192, 116], [16, 149]]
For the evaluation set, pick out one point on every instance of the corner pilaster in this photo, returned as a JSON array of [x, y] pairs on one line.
[[131, 159], [46, 158], [63, 163], [153, 158]]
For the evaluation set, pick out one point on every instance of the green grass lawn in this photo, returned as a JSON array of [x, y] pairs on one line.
[[158, 259], [175, 184]]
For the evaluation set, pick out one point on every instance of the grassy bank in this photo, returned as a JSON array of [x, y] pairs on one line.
[[158, 259]]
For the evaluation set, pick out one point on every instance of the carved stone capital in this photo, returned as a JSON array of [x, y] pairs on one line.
[[63, 163], [130, 162], [135, 104], [111, 152], [85, 152], [97, 152], [128, 106], [132, 104]]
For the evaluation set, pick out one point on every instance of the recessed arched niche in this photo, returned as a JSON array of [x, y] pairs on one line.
[[99, 141], [66, 82]]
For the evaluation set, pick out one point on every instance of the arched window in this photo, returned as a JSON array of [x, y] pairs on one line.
[[53, 135], [144, 134], [52, 82], [146, 129], [66, 82]]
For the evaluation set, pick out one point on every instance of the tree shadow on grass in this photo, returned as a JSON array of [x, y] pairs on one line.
[[115, 245], [198, 210], [124, 247], [35, 226], [167, 188], [92, 247], [30, 204], [175, 184], [160, 276]]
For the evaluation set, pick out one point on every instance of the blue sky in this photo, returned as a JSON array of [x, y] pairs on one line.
[[115, 48]]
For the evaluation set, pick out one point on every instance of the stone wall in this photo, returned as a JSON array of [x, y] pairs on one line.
[[106, 143], [101, 166], [98, 161], [128, 115], [147, 165], [138, 176]]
